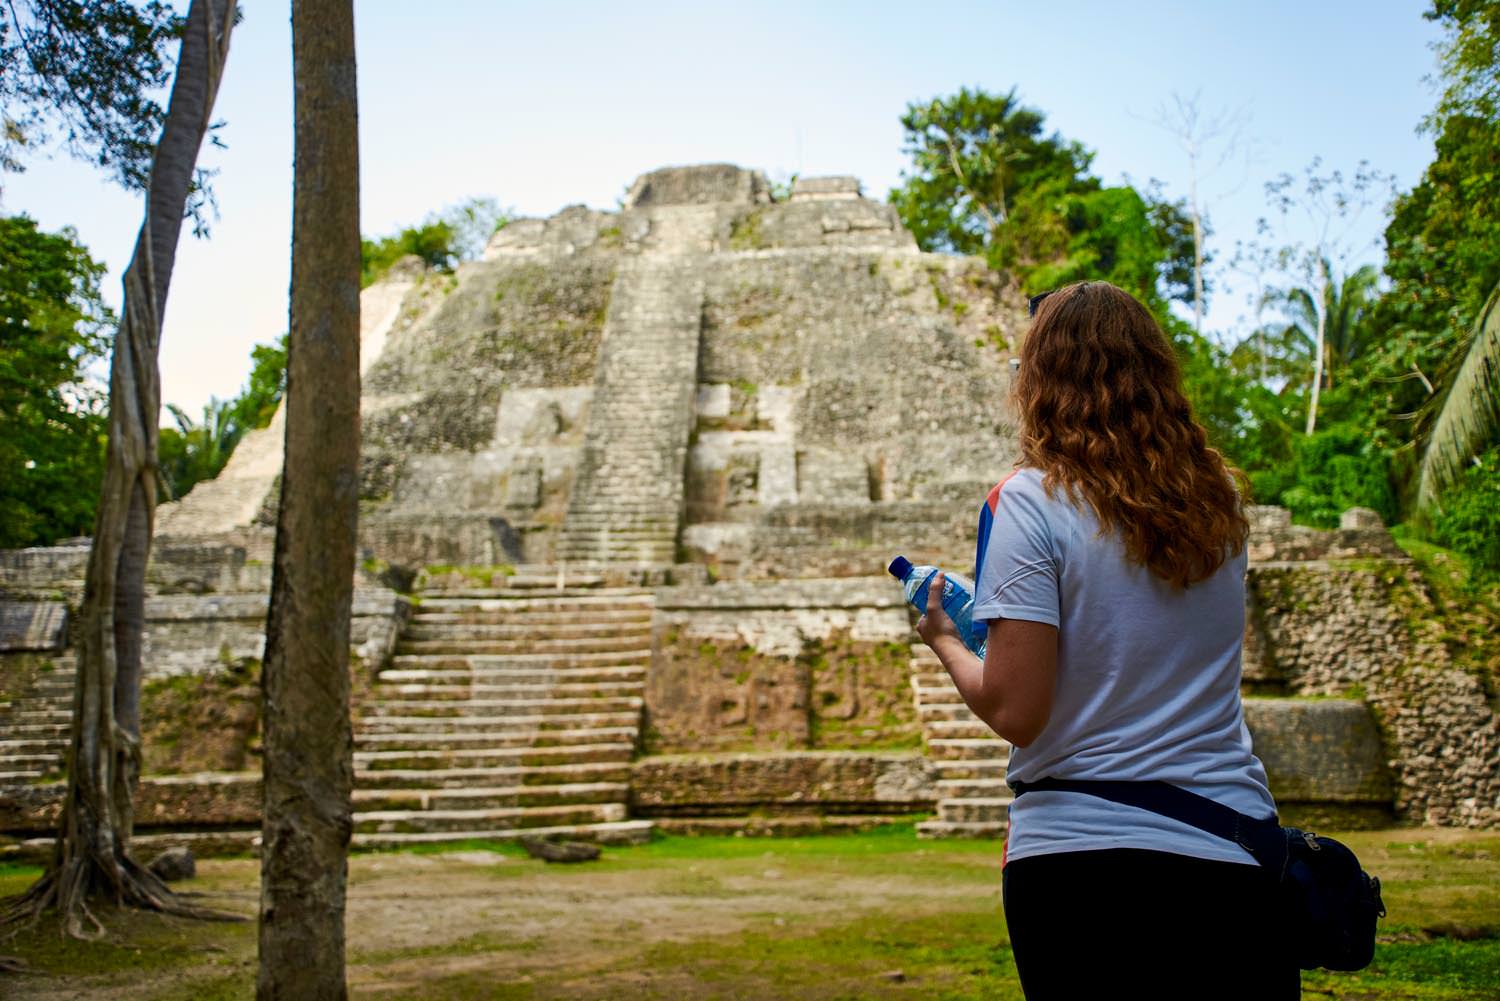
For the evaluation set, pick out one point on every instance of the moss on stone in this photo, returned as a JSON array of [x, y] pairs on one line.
[[202, 722], [745, 232]]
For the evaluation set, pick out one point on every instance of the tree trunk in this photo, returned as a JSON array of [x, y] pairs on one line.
[[1197, 237], [90, 858], [1317, 381], [308, 741]]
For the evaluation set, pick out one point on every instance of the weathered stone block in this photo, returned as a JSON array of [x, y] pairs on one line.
[[835, 781], [1324, 750], [34, 626], [704, 184], [841, 186], [1361, 519]]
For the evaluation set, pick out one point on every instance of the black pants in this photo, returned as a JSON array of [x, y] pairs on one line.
[[1153, 925]]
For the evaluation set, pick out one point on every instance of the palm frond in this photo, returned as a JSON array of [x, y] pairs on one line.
[[1469, 415]]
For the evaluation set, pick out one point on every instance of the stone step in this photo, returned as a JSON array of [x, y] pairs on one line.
[[489, 797], [32, 763], [932, 679], [433, 726], [989, 829], [979, 768], [968, 748], [432, 821], [518, 738], [501, 707], [631, 644], [625, 832], [780, 825], [497, 757], [970, 811], [37, 731], [971, 788], [541, 622], [545, 578], [606, 534], [16, 745], [28, 716], [513, 675], [614, 511], [466, 690], [938, 696], [624, 507], [563, 631], [565, 773], [583, 605], [568, 592], [637, 657], [614, 528], [944, 728], [648, 554], [937, 712]]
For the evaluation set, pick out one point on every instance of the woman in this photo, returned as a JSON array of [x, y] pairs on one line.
[[1113, 585]]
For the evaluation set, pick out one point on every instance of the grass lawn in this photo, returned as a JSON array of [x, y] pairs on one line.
[[876, 915]]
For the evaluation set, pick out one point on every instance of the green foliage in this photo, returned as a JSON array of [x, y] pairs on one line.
[[53, 325], [1443, 255], [84, 71], [1467, 411], [1143, 246], [433, 242], [1468, 518], [986, 179], [1330, 471], [192, 452], [442, 241]]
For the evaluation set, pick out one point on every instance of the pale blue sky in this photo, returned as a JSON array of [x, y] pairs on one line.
[[545, 104]]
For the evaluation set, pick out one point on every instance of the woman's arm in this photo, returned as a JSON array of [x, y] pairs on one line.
[[1011, 689]]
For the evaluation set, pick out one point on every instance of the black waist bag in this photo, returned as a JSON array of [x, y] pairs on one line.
[[1329, 904]]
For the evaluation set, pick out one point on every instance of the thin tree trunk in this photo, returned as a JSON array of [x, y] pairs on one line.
[[308, 741], [1317, 381], [91, 858], [1197, 237]]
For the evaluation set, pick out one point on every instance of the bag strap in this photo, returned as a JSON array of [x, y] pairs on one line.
[[1262, 838]]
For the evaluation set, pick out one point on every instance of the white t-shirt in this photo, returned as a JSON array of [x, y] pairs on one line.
[[1148, 678]]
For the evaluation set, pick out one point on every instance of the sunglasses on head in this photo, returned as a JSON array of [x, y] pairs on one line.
[[1035, 301]]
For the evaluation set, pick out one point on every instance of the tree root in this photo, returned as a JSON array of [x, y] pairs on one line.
[[67, 888]]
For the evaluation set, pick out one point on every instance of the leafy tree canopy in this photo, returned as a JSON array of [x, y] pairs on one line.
[[442, 241], [987, 179], [53, 323], [82, 72]]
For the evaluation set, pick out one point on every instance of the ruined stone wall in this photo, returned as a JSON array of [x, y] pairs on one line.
[[1368, 629], [805, 442], [781, 783], [779, 665]]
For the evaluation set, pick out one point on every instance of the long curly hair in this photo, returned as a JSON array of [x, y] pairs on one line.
[[1103, 416]]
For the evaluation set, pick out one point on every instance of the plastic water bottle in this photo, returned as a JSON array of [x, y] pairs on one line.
[[958, 598]]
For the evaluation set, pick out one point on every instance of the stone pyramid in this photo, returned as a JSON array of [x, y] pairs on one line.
[[710, 375]]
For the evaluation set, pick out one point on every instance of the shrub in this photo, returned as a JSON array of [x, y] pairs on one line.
[[1468, 517]]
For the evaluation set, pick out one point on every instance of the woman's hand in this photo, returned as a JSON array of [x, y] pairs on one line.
[[936, 627]]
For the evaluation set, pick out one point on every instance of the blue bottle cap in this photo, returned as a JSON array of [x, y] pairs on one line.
[[900, 567]]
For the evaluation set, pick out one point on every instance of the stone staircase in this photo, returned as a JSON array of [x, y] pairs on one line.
[[627, 501], [506, 712], [34, 728], [972, 798]]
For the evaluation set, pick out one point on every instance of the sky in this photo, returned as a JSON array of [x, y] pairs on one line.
[[546, 104]]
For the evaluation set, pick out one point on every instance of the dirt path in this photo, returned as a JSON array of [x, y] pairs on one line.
[[878, 916], [500, 919]]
